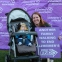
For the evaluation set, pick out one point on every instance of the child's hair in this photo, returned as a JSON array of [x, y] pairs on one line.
[[23, 24]]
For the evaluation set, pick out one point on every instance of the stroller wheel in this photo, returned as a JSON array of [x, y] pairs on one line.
[[35, 60], [7, 58]]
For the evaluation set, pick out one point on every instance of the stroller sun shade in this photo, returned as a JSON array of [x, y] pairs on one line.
[[17, 13]]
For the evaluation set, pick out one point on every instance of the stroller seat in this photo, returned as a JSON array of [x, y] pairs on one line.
[[21, 48], [25, 48]]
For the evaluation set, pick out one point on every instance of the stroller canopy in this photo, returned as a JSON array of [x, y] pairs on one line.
[[17, 13]]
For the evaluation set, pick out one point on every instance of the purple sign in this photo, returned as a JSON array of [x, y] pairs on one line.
[[48, 45]]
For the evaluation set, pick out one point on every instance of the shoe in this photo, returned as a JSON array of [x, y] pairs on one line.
[[19, 43], [29, 44]]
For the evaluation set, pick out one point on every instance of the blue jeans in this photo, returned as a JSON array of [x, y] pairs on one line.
[[25, 42]]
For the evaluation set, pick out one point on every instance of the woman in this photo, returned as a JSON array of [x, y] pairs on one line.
[[37, 21]]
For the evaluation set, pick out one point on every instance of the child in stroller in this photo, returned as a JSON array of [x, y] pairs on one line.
[[21, 38]]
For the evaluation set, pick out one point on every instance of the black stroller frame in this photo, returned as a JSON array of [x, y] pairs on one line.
[[15, 14]]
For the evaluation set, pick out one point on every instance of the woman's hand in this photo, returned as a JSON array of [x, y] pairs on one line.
[[60, 37]]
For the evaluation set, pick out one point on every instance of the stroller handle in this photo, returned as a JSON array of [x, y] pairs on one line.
[[24, 33]]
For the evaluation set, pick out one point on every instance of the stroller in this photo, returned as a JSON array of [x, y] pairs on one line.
[[17, 52]]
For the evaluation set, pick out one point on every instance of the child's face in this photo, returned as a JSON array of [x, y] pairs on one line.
[[23, 27]]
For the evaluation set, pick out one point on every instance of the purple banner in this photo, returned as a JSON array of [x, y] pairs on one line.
[[50, 10], [47, 42]]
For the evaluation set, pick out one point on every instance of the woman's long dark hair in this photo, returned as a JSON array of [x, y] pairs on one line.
[[41, 20]]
